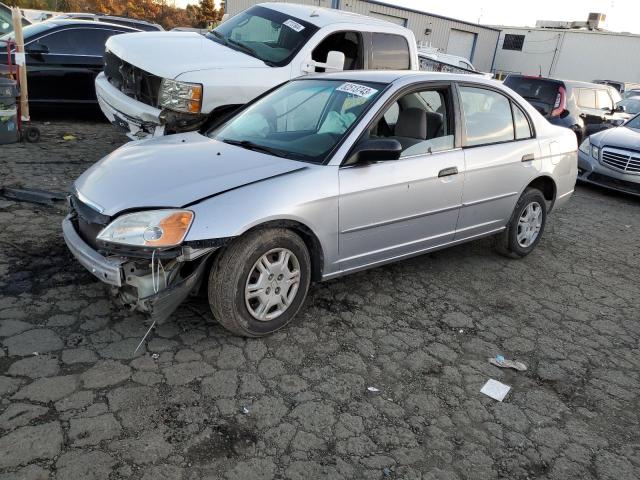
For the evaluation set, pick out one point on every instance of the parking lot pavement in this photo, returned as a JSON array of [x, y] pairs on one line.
[[197, 402]]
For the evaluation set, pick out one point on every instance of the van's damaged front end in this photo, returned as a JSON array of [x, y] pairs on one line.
[[141, 255]]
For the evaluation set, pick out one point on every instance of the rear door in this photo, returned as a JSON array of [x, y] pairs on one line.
[[501, 157]]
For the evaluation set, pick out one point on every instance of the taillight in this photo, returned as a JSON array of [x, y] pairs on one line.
[[560, 104]]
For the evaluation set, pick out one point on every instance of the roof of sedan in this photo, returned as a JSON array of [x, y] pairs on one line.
[[409, 76]]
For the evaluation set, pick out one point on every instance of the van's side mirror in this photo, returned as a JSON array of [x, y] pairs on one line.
[[335, 63], [621, 109], [375, 150]]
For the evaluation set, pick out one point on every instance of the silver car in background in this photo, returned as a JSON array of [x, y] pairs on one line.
[[611, 158], [324, 176]]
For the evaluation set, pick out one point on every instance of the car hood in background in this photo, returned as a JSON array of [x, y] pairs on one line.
[[173, 171], [617, 137], [169, 54]]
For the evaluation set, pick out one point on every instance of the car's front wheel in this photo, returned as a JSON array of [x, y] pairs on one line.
[[260, 281], [525, 227]]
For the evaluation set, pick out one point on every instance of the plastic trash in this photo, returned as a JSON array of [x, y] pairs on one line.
[[245, 410], [155, 356], [500, 361], [495, 389], [373, 389], [68, 137]]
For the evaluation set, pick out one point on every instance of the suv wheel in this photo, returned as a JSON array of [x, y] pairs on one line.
[[525, 227], [259, 282]]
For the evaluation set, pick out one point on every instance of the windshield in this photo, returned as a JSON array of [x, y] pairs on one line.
[[302, 120], [634, 123], [269, 35], [632, 105], [30, 30]]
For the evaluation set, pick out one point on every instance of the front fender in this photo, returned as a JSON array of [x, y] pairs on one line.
[[308, 197]]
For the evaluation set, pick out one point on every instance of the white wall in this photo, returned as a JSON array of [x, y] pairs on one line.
[[572, 55]]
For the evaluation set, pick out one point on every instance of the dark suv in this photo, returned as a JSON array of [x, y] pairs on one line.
[[583, 107]]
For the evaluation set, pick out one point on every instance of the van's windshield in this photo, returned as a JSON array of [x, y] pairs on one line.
[[269, 35], [302, 120]]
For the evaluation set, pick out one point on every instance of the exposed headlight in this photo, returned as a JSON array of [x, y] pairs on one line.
[[595, 152], [585, 147], [180, 96], [153, 228]]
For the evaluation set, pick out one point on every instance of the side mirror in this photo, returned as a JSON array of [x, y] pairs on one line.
[[37, 48], [621, 109], [335, 63], [375, 150]]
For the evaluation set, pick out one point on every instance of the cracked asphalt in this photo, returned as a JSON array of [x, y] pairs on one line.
[[196, 402]]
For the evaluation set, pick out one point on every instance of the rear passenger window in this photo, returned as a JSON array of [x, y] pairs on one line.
[[389, 52], [521, 122], [487, 116], [586, 98]]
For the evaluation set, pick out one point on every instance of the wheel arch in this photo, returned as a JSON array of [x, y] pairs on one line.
[[547, 186], [316, 253]]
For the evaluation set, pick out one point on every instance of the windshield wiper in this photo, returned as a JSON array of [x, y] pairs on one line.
[[248, 50], [255, 147], [219, 36]]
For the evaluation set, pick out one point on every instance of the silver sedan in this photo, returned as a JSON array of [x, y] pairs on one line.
[[324, 176]]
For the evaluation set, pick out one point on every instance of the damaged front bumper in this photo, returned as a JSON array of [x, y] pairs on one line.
[[137, 119], [151, 285]]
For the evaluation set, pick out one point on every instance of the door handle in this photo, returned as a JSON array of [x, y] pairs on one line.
[[446, 172], [528, 157]]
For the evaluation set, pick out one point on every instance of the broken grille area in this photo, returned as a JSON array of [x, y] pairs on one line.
[[88, 222], [131, 80]]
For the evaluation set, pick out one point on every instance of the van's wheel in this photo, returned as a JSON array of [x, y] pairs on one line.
[[525, 227], [259, 282]]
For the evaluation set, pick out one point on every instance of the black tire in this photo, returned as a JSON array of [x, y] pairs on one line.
[[32, 134], [230, 273], [507, 241]]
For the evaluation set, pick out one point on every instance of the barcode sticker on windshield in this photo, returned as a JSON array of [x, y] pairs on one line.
[[358, 90], [294, 25]]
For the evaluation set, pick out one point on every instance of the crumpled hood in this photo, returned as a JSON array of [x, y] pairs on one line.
[[617, 137], [169, 54], [173, 171]]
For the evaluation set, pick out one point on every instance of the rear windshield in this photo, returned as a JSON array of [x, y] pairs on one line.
[[539, 89]]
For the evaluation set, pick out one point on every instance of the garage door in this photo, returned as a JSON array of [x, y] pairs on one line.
[[390, 18], [461, 43]]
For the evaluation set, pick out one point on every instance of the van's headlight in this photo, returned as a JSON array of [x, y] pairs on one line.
[[153, 228], [180, 96]]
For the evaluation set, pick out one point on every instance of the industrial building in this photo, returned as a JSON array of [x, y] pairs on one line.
[[456, 37], [568, 50]]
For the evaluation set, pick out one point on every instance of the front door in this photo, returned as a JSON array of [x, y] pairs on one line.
[[65, 70], [392, 209]]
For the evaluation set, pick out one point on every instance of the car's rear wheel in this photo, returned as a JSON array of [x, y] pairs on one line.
[[260, 281], [525, 226]]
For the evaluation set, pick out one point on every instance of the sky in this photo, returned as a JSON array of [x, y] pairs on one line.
[[622, 15]]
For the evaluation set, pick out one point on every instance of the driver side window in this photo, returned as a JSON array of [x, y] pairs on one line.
[[421, 121], [349, 43]]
